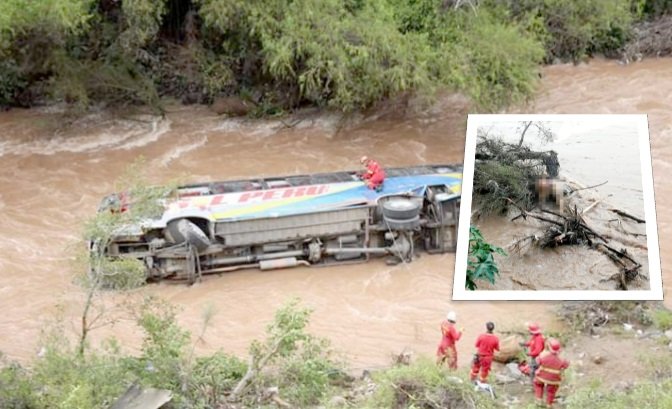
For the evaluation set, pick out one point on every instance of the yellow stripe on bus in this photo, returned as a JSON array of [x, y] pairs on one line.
[[277, 203]]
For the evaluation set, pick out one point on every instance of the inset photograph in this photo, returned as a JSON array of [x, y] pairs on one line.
[[557, 207]]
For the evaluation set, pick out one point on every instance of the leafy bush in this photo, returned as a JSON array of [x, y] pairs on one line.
[[298, 363], [164, 346], [497, 63], [16, 387], [481, 263], [575, 29], [213, 377], [65, 379]]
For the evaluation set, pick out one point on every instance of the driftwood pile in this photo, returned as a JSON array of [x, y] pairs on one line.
[[572, 229]]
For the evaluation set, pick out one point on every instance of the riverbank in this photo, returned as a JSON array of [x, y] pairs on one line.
[[621, 351]]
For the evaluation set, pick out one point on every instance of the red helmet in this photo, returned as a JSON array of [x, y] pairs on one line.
[[534, 328], [554, 344]]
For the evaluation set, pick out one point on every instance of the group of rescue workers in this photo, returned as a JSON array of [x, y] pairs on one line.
[[544, 367]]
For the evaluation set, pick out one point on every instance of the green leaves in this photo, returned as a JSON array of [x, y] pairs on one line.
[[481, 263]]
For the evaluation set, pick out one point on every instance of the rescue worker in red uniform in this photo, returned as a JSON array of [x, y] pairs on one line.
[[535, 346], [486, 345], [374, 175], [549, 373], [446, 352]]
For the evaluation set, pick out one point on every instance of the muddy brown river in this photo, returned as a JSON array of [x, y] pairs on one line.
[[52, 177]]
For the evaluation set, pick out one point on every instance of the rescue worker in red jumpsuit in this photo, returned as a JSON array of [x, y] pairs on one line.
[[549, 373], [446, 352], [535, 346], [486, 345], [374, 175]]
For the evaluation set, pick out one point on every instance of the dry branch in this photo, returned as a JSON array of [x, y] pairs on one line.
[[629, 216]]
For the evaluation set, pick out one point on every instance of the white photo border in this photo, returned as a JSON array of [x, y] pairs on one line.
[[460, 292]]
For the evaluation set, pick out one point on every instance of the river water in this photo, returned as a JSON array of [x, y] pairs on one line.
[[52, 176]]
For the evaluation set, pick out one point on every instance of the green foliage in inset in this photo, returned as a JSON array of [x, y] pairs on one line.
[[481, 263]]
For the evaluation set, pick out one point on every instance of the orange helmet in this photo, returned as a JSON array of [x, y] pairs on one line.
[[533, 328], [363, 159], [554, 344]]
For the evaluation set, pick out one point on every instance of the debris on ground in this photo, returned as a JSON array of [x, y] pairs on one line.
[[572, 229]]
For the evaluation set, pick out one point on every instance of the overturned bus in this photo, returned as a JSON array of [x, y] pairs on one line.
[[278, 222]]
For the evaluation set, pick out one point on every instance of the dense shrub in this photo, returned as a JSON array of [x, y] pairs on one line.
[[342, 54], [576, 29]]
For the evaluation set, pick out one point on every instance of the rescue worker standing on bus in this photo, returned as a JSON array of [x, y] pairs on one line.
[[535, 346], [374, 175], [549, 373], [446, 351], [486, 345]]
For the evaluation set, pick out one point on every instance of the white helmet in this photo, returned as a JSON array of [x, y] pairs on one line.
[[363, 159], [451, 316]]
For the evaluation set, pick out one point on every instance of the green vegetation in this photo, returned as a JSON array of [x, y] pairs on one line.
[[644, 396], [63, 378], [506, 173], [423, 384], [583, 316], [576, 29], [280, 55], [662, 319], [481, 262]]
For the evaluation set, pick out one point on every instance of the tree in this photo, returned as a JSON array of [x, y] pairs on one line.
[[123, 273], [544, 132]]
